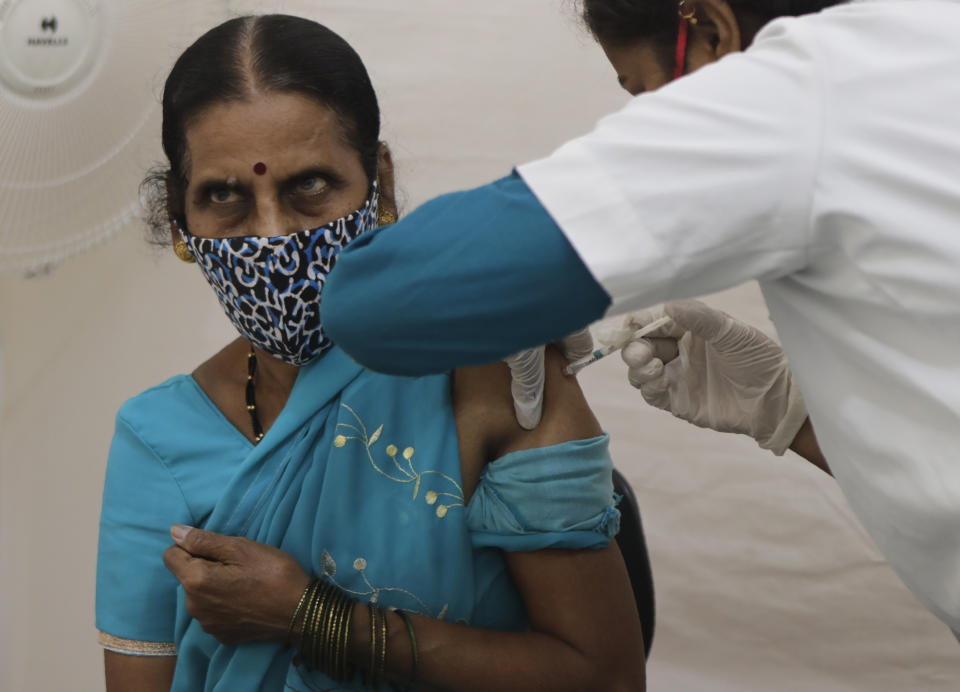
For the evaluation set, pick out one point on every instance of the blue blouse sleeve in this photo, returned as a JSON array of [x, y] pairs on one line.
[[466, 278], [136, 594], [549, 497]]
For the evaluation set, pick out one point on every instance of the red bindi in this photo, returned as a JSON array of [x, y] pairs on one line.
[[260, 168]]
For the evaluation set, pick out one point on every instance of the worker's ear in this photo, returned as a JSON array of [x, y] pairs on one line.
[[715, 33]]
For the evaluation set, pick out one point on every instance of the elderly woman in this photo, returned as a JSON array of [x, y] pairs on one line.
[[335, 527]]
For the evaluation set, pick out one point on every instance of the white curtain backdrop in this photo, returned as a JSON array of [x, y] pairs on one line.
[[765, 580]]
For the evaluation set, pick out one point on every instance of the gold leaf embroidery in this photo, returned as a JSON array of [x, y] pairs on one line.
[[328, 564], [401, 472], [374, 594]]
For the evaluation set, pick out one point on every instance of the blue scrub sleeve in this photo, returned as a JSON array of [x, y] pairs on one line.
[[467, 278], [136, 594], [549, 497]]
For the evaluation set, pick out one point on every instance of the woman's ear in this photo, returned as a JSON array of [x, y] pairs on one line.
[[716, 31], [174, 195], [388, 193], [174, 202]]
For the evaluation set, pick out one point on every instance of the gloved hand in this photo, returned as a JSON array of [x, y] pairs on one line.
[[716, 372], [526, 368]]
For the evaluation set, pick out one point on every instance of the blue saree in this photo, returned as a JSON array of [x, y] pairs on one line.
[[359, 480]]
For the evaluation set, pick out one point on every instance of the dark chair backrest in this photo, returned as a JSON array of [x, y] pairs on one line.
[[633, 545]]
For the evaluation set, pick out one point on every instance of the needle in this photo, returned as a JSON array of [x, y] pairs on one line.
[[601, 353]]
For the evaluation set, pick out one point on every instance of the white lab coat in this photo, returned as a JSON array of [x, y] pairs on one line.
[[824, 161]]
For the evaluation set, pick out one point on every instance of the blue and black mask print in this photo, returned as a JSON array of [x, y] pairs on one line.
[[270, 288]]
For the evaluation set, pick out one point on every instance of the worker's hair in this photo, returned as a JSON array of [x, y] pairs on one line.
[[621, 22], [241, 58]]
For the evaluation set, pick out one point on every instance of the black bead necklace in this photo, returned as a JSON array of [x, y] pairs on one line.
[[251, 397]]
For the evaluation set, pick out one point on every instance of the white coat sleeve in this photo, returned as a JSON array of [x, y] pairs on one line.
[[701, 185]]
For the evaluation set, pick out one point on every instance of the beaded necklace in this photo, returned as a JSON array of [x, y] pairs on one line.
[[251, 397]]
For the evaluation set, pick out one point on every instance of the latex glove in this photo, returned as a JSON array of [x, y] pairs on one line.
[[716, 372], [526, 369]]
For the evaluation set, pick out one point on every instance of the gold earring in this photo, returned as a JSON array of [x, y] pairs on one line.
[[385, 218], [690, 16], [182, 252]]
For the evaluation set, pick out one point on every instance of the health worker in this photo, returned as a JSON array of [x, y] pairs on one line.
[[818, 154]]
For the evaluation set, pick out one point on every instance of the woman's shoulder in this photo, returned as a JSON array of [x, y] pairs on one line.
[[176, 422], [152, 406], [550, 487], [487, 425], [180, 400]]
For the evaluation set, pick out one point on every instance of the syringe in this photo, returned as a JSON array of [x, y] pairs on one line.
[[601, 353]]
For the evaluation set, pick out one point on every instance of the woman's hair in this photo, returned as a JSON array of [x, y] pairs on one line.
[[244, 56], [620, 22]]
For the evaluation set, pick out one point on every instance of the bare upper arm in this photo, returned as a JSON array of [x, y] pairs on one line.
[[581, 597], [487, 426], [126, 673]]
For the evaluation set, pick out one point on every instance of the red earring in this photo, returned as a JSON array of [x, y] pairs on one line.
[[680, 63], [687, 17]]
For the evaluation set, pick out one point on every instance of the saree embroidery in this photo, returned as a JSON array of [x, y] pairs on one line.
[[135, 647], [406, 472]]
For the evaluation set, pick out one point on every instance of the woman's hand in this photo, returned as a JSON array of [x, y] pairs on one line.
[[238, 590]]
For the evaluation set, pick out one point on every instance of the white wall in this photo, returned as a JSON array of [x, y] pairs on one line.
[[765, 580]]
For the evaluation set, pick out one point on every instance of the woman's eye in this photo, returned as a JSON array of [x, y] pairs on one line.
[[313, 185], [224, 195]]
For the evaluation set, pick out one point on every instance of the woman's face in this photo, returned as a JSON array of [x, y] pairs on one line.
[[276, 164], [640, 67], [713, 34]]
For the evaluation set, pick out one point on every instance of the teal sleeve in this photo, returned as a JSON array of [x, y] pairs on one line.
[[136, 594], [549, 497], [467, 278]]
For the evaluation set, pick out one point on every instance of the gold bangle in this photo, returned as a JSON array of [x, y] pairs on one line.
[[322, 625], [321, 648], [325, 632], [296, 613], [345, 670], [318, 620], [340, 665], [307, 622], [333, 640], [330, 640]]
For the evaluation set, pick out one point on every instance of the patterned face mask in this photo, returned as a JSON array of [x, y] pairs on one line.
[[270, 287]]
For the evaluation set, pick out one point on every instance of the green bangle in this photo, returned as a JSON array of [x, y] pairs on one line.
[[382, 667], [413, 644], [372, 610]]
